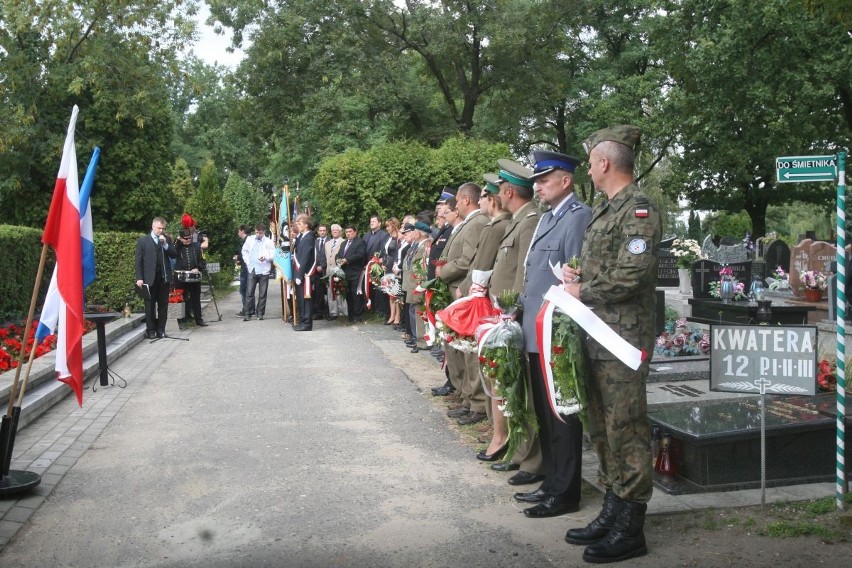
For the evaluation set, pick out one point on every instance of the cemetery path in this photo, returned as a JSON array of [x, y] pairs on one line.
[[253, 445]]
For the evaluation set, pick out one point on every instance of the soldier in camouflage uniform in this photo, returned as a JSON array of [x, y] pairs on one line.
[[617, 278]]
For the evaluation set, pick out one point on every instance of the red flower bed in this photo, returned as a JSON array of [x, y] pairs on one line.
[[12, 341]]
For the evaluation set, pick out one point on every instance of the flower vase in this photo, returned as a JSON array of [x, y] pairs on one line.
[[813, 295], [726, 290], [685, 282]]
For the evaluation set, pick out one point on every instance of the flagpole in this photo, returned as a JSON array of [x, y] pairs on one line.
[[27, 328]]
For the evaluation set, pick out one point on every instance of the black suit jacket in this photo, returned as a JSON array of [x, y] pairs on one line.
[[375, 242], [356, 257], [320, 253], [145, 262], [305, 255]]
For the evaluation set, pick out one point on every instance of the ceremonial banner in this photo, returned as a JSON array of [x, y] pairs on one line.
[[62, 232]]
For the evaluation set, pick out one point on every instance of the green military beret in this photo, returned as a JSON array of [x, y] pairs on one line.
[[515, 173], [626, 134], [492, 183]]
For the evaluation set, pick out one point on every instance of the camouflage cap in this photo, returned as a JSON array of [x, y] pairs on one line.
[[515, 173], [626, 134], [492, 182]]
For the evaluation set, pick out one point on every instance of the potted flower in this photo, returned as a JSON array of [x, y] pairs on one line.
[[813, 284], [779, 280], [686, 252]]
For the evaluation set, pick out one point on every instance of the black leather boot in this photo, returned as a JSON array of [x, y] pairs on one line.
[[625, 540], [600, 527]]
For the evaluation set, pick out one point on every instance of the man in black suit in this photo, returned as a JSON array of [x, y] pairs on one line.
[[320, 287], [375, 242], [304, 264], [152, 269], [352, 259]]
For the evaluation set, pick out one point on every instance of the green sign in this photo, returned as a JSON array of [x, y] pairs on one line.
[[797, 169]]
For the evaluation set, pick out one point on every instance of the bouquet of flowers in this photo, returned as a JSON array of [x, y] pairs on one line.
[[727, 273], [779, 280], [686, 251], [502, 369], [457, 322], [568, 363], [814, 280], [375, 270], [748, 244], [435, 296], [679, 339], [389, 284], [827, 376], [336, 279], [176, 296]]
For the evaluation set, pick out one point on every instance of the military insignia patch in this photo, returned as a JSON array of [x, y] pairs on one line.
[[637, 246], [641, 212]]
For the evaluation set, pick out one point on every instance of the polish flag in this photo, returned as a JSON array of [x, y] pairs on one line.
[[62, 233]]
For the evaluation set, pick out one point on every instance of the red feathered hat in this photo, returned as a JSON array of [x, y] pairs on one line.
[[187, 221]]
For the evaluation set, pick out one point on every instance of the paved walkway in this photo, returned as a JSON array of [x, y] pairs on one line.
[[250, 441]]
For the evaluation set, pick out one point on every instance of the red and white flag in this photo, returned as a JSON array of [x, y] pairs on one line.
[[62, 233]]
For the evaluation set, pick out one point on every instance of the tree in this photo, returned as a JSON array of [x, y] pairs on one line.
[[751, 82], [212, 213], [106, 57], [250, 206]]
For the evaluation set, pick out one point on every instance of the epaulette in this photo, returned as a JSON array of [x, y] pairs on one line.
[[575, 206]]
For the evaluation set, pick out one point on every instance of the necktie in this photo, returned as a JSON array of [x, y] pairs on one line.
[[346, 248]]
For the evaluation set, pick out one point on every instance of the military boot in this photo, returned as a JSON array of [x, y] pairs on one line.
[[600, 527], [625, 540]]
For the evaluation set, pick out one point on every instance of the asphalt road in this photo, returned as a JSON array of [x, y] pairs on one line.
[[254, 445]]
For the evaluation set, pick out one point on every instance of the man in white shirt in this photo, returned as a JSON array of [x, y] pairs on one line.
[[257, 252]]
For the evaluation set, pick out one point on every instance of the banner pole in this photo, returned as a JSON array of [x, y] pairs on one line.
[[27, 327]]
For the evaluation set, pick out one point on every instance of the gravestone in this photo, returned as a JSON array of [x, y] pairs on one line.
[[777, 253], [667, 270], [706, 271], [667, 243], [809, 255], [724, 253]]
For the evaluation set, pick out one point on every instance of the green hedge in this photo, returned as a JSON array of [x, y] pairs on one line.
[[20, 249]]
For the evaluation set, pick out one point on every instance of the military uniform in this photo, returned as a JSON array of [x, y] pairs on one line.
[[460, 250], [618, 281], [509, 275]]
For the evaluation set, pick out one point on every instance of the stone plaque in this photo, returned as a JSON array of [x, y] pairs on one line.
[[706, 271], [763, 359], [724, 253], [667, 270]]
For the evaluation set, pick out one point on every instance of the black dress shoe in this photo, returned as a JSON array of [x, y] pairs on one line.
[[443, 391], [503, 466], [415, 349], [482, 456], [458, 412], [471, 417], [536, 496], [524, 478], [202, 323], [260, 317], [161, 334], [331, 318], [150, 334], [551, 507]]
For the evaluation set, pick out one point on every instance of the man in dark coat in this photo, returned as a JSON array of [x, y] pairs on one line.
[[153, 276], [189, 260], [304, 265], [352, 259]]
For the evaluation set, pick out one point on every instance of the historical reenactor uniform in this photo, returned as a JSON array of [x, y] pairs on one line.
[[617, 280], [189, 265], [557, 239]]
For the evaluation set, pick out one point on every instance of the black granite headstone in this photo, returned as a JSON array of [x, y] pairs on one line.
[[667, 243], [667, 269], [706, 271], [777, 254]]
